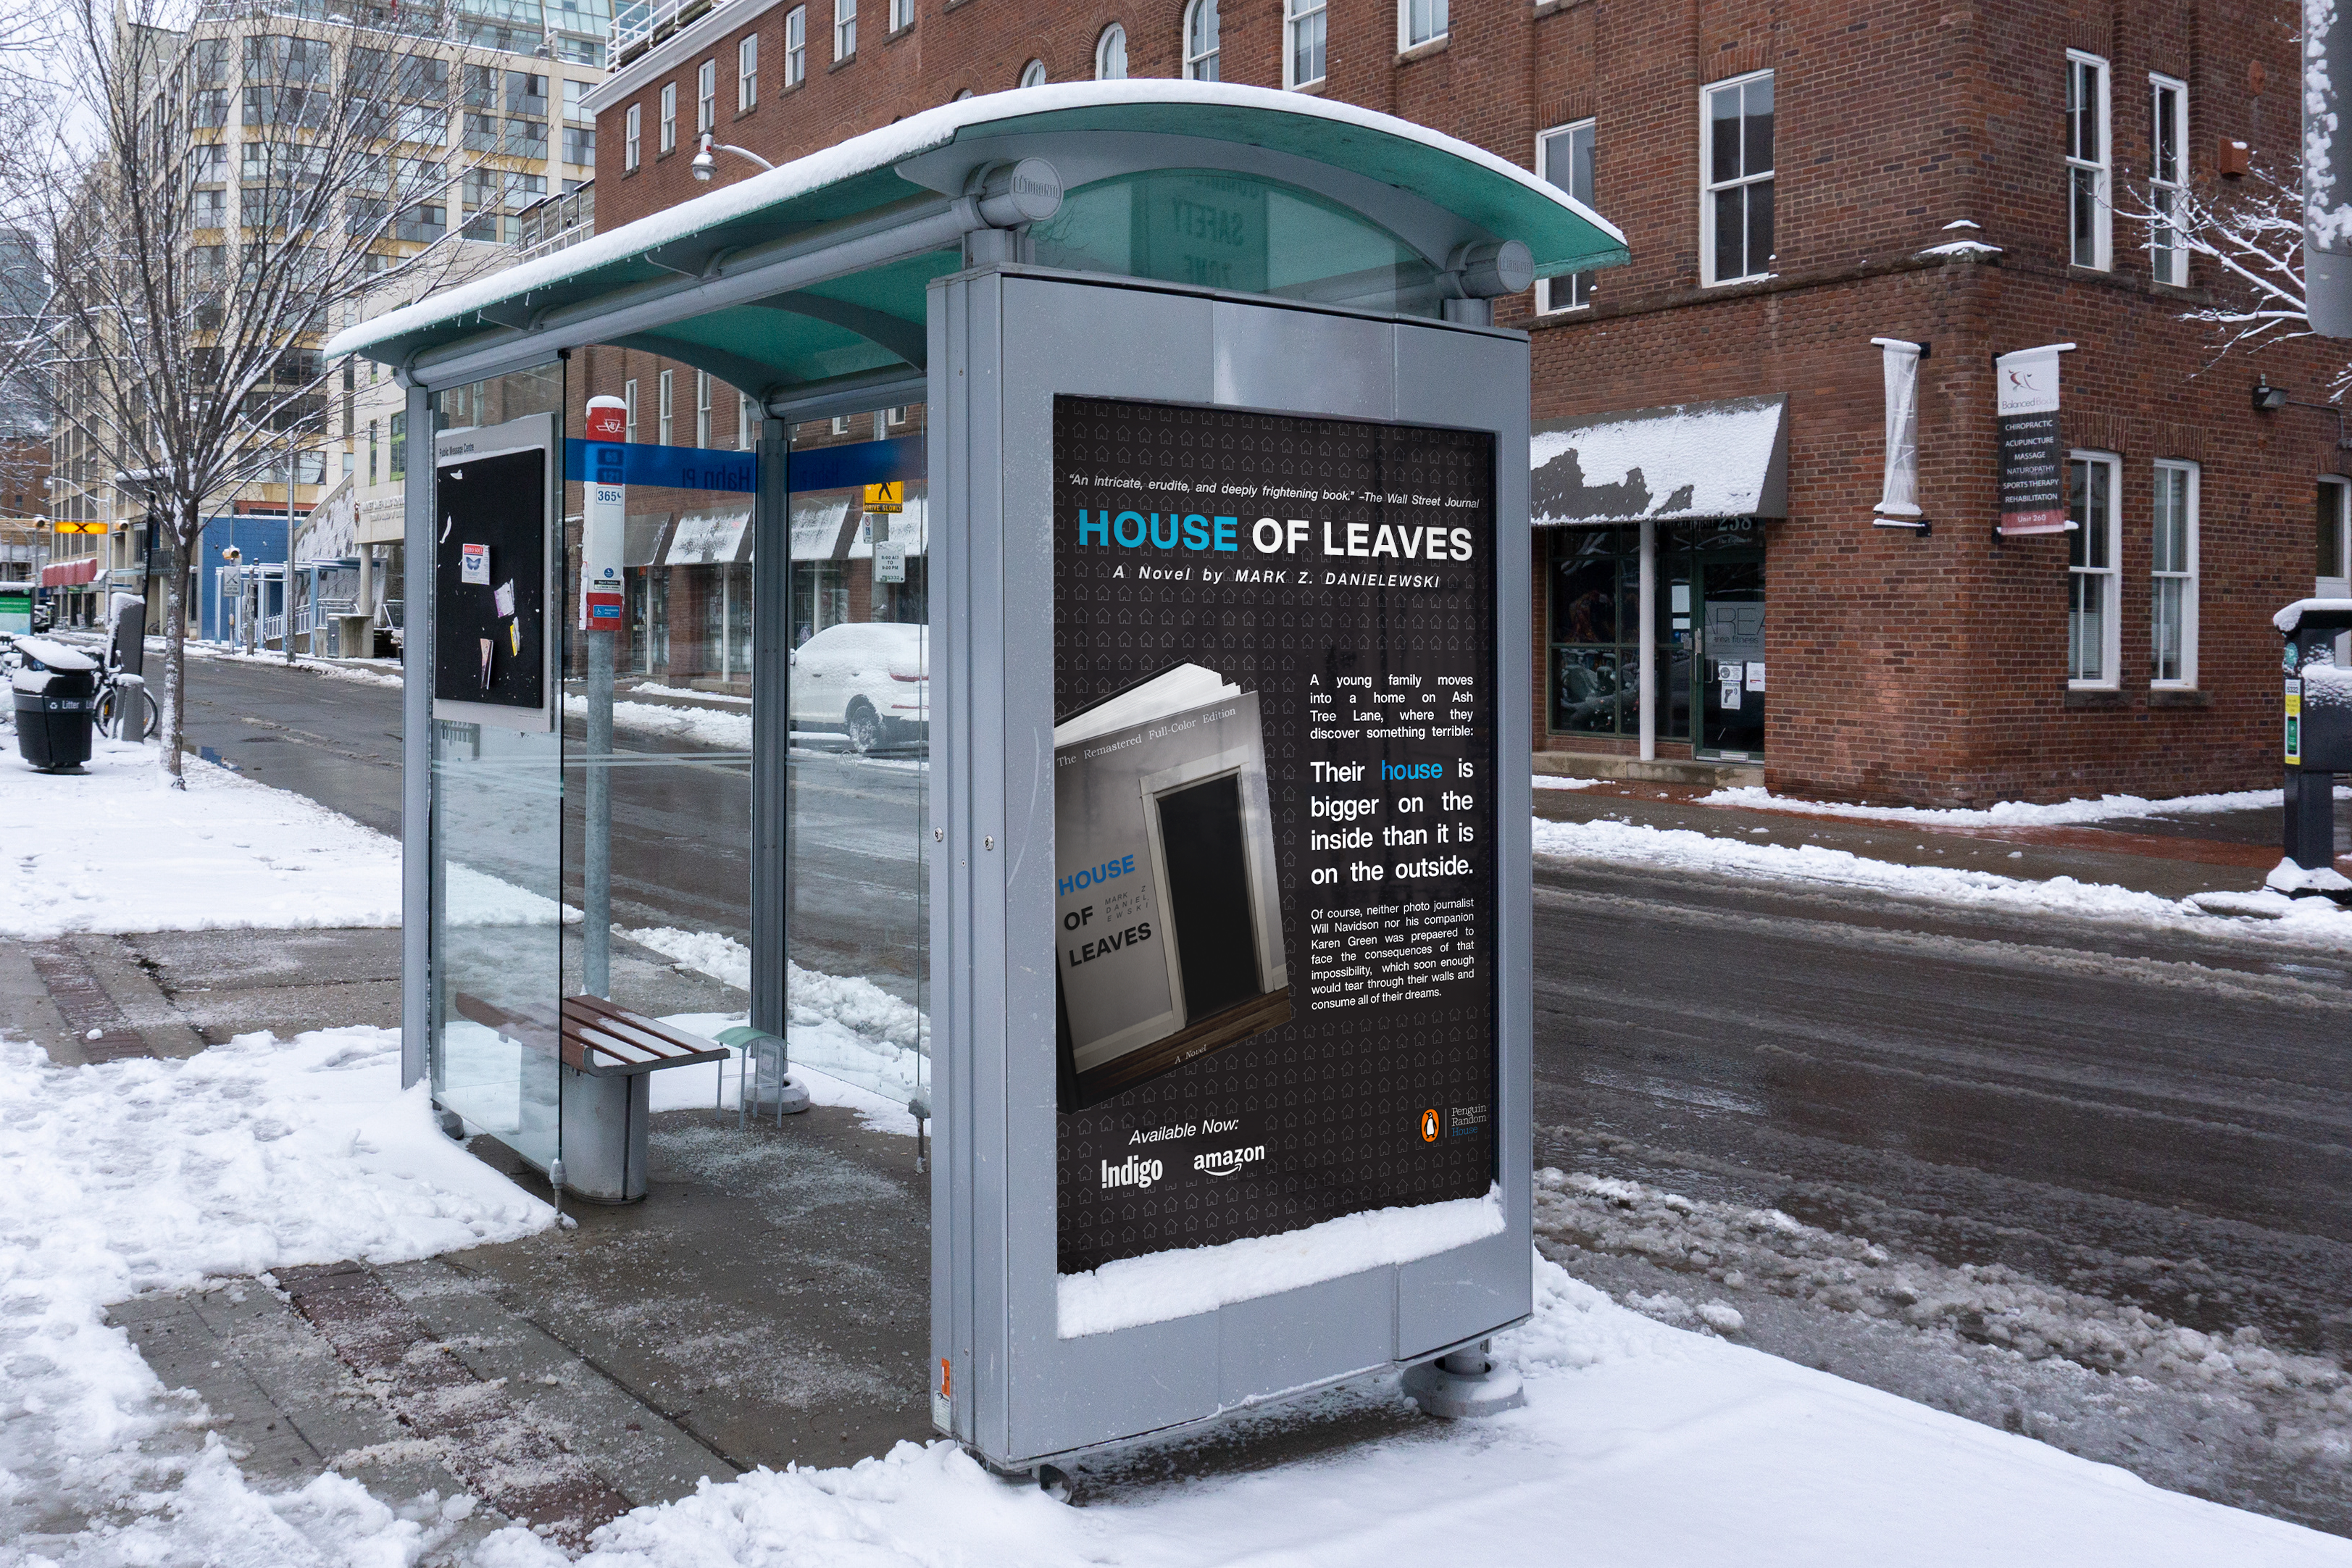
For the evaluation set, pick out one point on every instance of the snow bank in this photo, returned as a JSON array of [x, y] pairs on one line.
[[1639, 1444], [1678, 847], [367, 672], [2009, 812], [1553, 781], [846, 1025], [700, 726], [1177, 1284], [150, 1176], [116, 849]]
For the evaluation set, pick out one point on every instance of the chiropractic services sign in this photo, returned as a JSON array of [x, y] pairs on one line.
[[2032, 474]]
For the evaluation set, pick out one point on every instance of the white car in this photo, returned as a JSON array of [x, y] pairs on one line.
[[870, 681]]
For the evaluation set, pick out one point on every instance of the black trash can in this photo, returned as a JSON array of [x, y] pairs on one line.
[[55, 702]]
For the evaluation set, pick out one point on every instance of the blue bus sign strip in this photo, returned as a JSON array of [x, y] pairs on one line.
[[717, 469]]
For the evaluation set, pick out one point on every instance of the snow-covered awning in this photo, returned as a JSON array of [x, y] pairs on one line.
[[717, 538], [1686, 460]]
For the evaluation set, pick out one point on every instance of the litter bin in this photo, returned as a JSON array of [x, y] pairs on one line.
[[56, 692]]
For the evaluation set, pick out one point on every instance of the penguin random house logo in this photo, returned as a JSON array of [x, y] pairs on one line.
[[1132, 1172], [1429, 1126]]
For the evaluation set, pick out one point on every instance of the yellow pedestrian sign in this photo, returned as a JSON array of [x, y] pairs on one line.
[[886, 498]]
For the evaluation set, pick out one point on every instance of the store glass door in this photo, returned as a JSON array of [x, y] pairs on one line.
[[1728, 675]]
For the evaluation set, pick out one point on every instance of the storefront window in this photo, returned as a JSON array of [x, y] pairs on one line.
[[1709, 622]]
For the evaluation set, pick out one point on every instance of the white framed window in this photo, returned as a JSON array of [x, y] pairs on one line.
[[669, 116], [706, 96], [703, 408], [1110, 54], [902, 15], [1302, 42], [665, 392], [1564, 157], [1735, 209], [629, 409], [841, 424], [2172, 576], [895, 415], [2092, 582], [632, 149], [1420, 22], [1200, 41], [796, 45], [2090, 206], [2167, 179], [844, 28], [747, 72], [747, 423], [1034, 74]]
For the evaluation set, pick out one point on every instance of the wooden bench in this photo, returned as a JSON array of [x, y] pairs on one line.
[[608, 1041]]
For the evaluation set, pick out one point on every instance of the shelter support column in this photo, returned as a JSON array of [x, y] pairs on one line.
[[417, 740], [1648, 651], [772, 565]]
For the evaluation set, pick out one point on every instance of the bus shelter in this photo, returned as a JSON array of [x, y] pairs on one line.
[[1093, 676]]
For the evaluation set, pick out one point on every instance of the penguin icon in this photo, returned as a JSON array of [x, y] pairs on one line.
[[1429, 1125]]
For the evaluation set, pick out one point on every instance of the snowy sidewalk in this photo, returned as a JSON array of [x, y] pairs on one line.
[[2148, 863]]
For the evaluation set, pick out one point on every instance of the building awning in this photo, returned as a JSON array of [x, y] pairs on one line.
[[818, 522], [716, 537], [815, 273], [1686, 460], [70, 573]]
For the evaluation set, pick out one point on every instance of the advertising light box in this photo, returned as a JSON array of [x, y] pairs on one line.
[[1229, 894], [1274, 647]]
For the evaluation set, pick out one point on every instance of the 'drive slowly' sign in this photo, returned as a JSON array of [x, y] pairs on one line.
[[2032, 480]]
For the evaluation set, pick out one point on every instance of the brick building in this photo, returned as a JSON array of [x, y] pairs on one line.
[[1794, 183]]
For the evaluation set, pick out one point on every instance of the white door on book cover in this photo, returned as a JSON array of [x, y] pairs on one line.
[[1222, 878]]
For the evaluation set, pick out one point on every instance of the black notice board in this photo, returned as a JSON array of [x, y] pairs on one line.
[[499, 506]]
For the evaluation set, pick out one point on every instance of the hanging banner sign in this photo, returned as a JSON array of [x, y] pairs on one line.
[[2032, 478], [604, 518]]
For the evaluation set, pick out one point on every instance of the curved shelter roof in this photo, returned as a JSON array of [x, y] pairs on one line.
[[815, 273]]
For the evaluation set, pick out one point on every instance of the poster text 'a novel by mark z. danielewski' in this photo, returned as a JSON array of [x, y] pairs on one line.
[[1274, 772]]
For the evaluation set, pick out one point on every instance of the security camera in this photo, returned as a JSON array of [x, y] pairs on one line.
[[703, 162]]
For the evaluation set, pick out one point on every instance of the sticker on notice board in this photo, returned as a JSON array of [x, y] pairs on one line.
[[474, 567]]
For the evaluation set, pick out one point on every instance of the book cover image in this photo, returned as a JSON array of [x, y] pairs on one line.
[[1170, 918], [1275, 699]]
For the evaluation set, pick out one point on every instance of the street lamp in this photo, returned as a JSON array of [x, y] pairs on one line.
[[703, 162]]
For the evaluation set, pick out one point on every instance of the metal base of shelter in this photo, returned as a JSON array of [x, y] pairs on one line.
[[1465, 1385], [607, 1122]]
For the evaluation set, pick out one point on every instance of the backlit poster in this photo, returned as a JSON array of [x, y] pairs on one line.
[[1274, 747]]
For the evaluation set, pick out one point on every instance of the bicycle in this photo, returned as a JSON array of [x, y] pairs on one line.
[[118, 698]]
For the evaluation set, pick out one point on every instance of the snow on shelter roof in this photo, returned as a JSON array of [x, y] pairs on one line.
[[1088, 130], [1728, 459], [2324, 614]]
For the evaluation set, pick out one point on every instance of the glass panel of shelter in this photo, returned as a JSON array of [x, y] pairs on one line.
[[496, 965]]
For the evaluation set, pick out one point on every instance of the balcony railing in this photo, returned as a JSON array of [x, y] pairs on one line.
[[639, 24]]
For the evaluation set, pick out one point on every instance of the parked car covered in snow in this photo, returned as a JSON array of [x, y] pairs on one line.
[[870, 681]]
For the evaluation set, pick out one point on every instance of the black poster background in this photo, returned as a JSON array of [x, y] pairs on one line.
[[2032, 484], [1338, 1098], [500, 501]]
